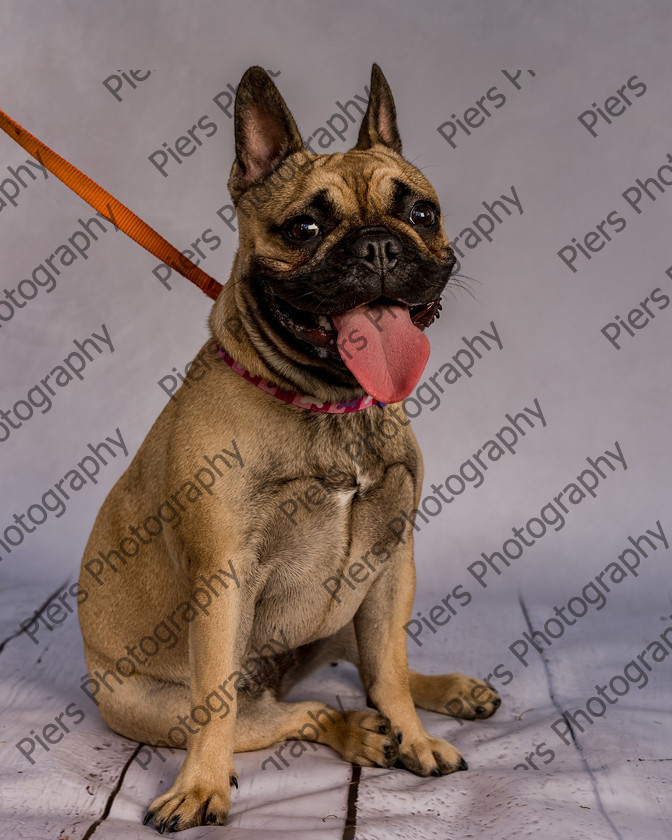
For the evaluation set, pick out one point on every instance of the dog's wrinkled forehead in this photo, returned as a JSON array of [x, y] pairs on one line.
[[361, 188], [341, 191]]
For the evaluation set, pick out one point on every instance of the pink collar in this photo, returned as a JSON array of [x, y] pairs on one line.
[[298, 399]]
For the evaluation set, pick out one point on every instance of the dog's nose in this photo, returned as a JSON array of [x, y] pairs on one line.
[[377, 250]]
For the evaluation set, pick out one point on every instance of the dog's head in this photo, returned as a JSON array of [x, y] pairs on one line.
[[342, 257]]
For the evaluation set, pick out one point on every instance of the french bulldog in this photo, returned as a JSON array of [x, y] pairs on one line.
[[315, 341]]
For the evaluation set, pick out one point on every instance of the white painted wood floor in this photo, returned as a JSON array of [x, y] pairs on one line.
[[612, 781]]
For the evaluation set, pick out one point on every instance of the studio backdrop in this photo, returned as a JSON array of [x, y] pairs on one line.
[[543, 532]]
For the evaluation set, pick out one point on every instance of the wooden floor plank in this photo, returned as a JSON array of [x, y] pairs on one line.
[[612, 783]]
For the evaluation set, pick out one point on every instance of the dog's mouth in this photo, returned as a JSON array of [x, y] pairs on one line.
[[320, 330], [381, 342]]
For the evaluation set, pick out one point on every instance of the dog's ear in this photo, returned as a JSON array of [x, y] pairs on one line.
[[380, 121], [265, 131]]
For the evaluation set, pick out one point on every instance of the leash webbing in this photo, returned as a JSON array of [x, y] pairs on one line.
[[108, 206], [125, 220]]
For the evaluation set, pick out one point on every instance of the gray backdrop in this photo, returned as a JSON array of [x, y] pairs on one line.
[[574, 118]]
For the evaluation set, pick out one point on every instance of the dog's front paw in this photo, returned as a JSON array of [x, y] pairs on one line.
[[185, 807], [455, 695], [430, 757]]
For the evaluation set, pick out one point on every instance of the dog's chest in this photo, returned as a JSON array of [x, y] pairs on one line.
[[333, 537]]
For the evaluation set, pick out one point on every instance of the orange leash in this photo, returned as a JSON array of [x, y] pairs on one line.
[[108, 206]]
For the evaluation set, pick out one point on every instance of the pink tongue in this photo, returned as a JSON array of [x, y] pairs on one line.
[[390, 363]]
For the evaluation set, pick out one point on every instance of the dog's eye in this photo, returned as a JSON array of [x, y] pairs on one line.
[[422, 214], [302, 229]]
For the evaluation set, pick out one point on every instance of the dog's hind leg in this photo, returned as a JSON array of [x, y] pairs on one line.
[[453, 694], [159, 713], [140, 707], [361, 737]]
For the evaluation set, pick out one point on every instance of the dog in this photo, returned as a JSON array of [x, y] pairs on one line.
[[316, 339]]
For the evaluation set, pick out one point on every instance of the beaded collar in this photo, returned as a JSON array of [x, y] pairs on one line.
[[299, 400]]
